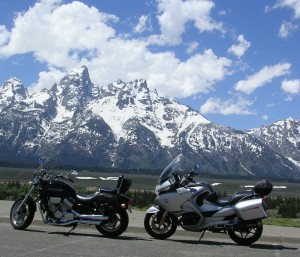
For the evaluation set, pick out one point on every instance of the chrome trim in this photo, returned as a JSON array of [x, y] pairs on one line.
[[90, 217]]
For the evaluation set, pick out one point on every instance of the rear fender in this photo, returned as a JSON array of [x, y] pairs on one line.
[[124, 198], [107, 200]]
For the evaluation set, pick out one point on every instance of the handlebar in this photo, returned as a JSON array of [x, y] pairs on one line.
[[45, 176], [188, 178]]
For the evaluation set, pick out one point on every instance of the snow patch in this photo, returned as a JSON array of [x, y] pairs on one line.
[[247, 169]]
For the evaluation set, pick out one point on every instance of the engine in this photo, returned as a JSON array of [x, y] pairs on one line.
[[189, 218], [61, 209]]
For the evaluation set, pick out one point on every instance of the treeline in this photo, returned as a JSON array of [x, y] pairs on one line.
[[287, 207], [12, 190], [284, 207]]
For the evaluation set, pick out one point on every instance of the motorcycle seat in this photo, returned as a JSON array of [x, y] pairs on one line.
[[213, 198], [110, 191], [237, 196], [87, 198]]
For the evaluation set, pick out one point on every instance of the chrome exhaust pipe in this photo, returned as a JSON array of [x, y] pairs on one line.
[[90, 217], [87, 222]]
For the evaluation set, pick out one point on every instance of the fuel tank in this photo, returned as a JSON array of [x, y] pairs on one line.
[[57, 188], [173, 201]]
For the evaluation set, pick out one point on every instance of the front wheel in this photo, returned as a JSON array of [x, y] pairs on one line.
[[22, 219], [159, 226], [115, 225], [247, 234]]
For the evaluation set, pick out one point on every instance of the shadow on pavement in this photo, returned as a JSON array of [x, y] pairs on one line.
[[221, 243], [272, 247], [74, 233]]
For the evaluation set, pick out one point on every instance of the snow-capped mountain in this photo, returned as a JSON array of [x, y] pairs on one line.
[[123, 125], [282, 136], [11, 93]]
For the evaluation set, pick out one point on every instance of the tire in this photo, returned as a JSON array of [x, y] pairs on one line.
[[24, 218], [115, 225], [247, 234], [163, 231]]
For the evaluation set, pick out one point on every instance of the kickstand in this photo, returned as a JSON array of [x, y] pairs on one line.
[[201, 236], [72, 229]]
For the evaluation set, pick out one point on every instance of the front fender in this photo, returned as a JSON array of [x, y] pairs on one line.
[[152, 209], [30, 202]]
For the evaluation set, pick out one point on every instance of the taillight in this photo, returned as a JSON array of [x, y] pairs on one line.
[[126, 205]]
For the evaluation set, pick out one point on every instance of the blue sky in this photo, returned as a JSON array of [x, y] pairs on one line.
[[237, 62]]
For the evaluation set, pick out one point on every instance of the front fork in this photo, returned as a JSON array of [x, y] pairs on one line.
[[163, 218], [25, 199]]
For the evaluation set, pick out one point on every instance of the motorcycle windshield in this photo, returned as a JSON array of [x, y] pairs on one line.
[[170, 169]]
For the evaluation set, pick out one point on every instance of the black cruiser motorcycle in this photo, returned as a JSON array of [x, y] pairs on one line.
[[61, 205], [195, 206]]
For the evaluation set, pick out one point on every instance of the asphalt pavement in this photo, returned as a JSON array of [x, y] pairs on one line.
[[273, 234]]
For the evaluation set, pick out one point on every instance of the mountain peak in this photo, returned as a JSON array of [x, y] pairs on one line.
[[281, 136], [77, 82], [73, 93], [14, 81], [11, 92], [80, 72], [13, 84]]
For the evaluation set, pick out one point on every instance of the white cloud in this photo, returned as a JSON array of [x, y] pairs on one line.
[[47, 80], [293, 4], [240, 48], [270, 105], [59, 34], [222, 12], [286, 29], [291, 87], [265, 117], [144, 24], [263, 77], [64, 36], [236, 105], [192, 47], [173, 15], [4, 35]]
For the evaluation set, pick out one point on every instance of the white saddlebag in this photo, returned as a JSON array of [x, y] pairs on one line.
[[250, 209]]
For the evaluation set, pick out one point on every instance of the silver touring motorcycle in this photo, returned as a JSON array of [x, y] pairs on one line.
[[196, 207], [61, 205]]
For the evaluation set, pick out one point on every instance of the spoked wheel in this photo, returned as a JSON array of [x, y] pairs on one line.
[[160, 227], [22, 219], [115, 225], [248, 234]]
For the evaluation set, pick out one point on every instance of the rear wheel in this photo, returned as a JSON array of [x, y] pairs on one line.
[[115, 225], [160, 227], [248, 234], [22, 219]]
